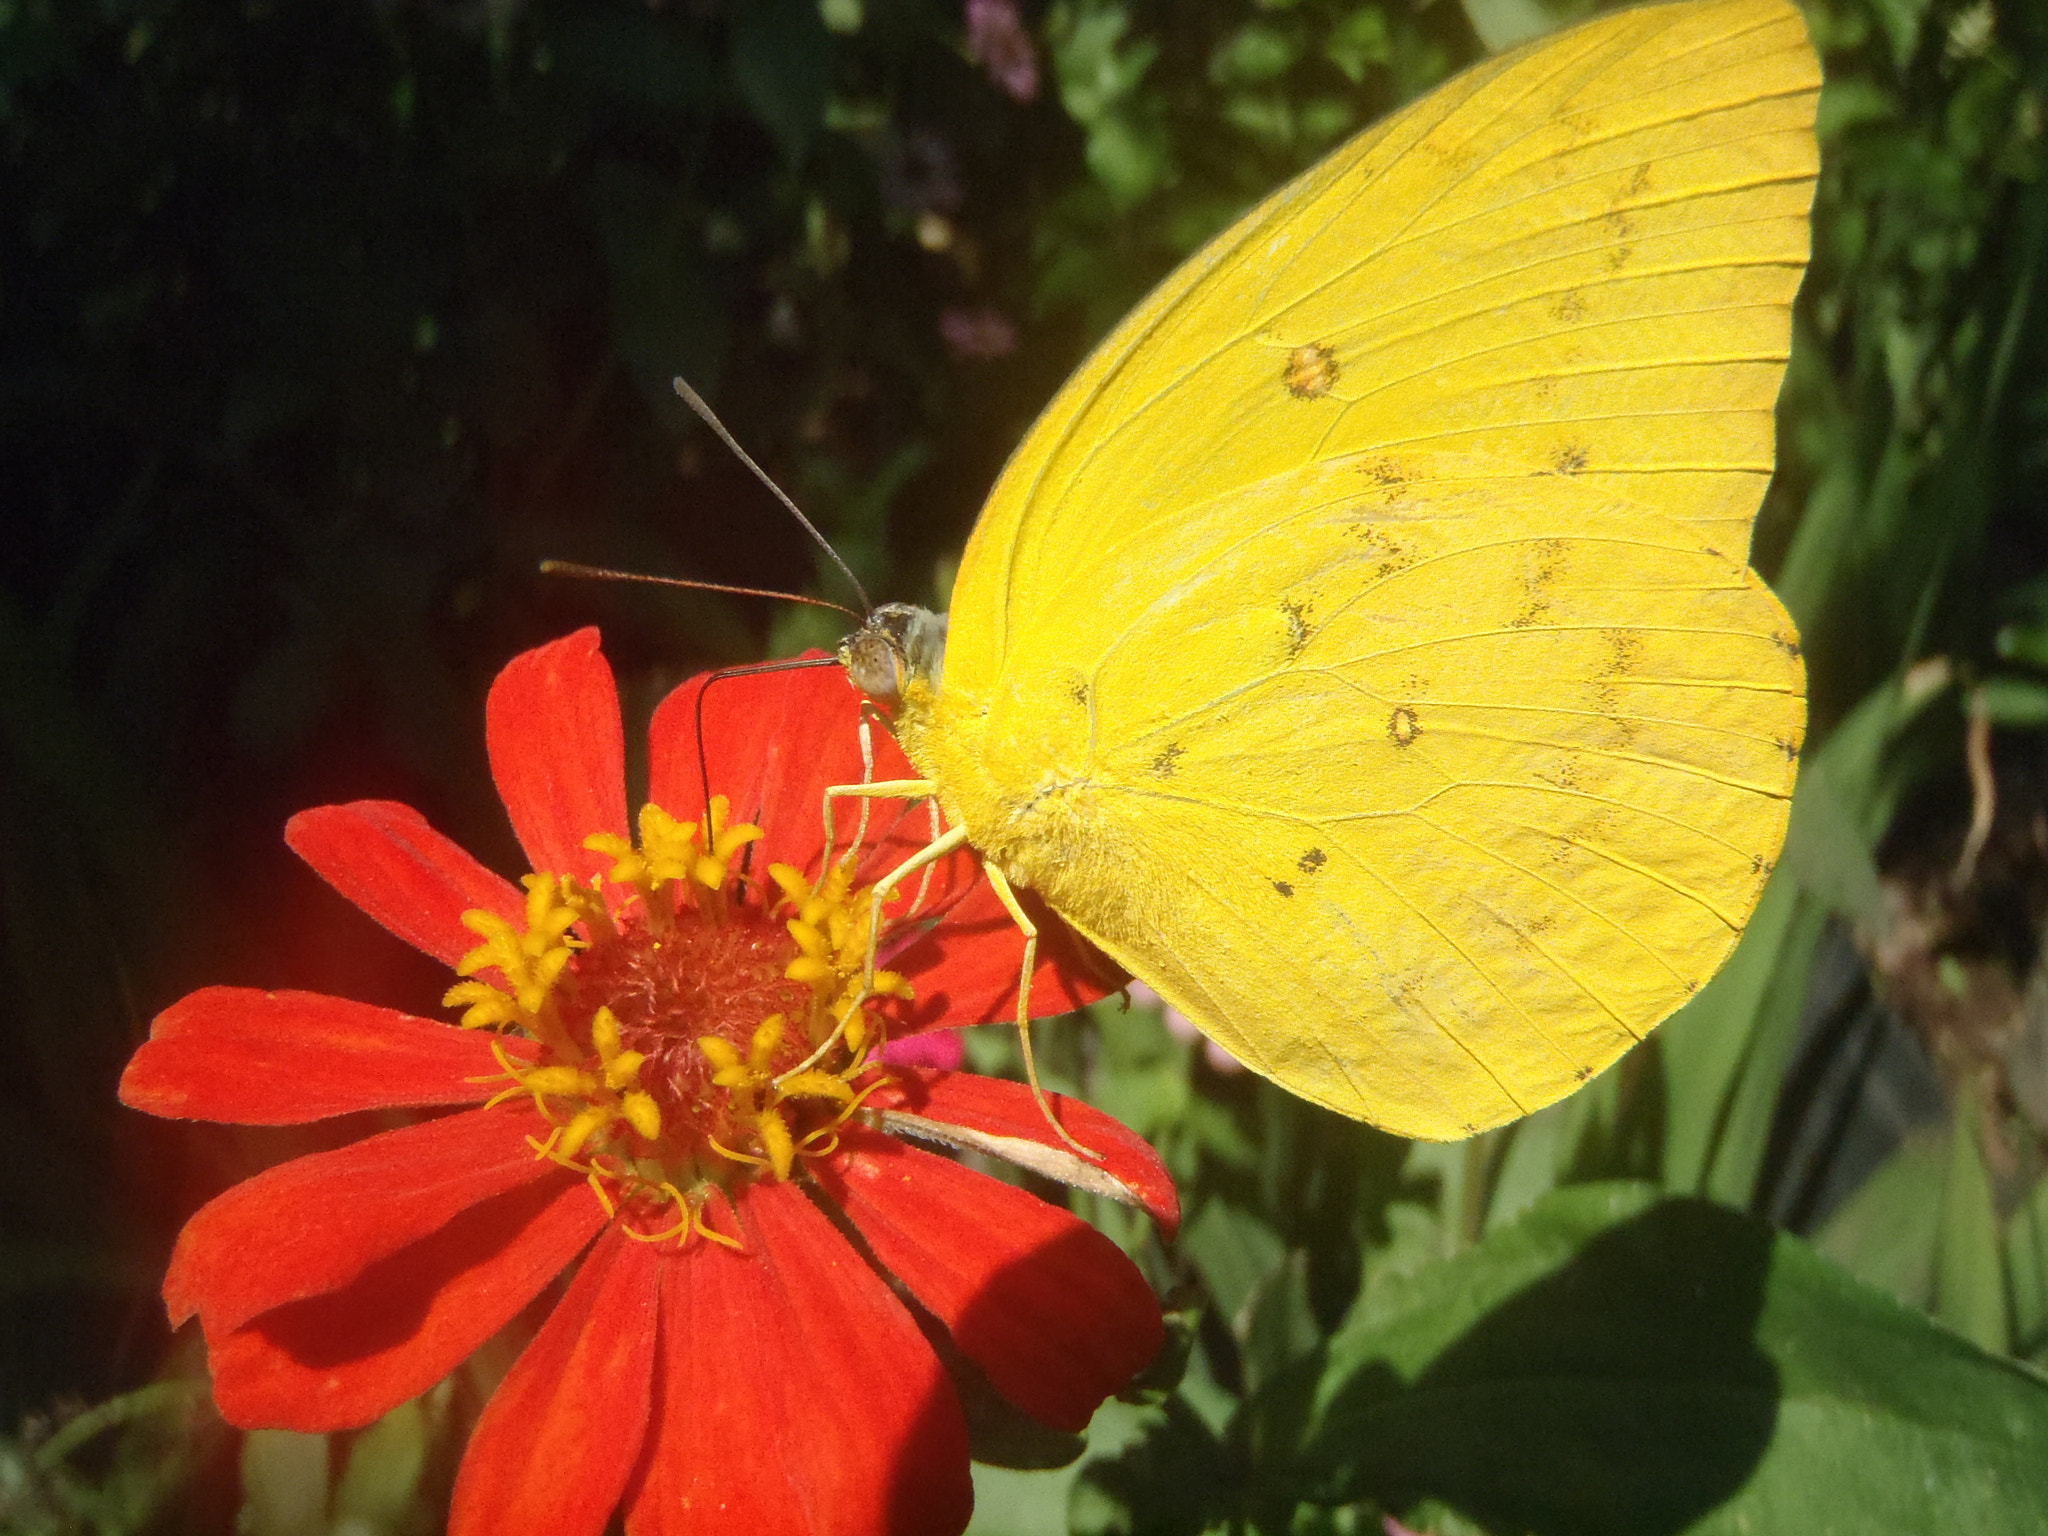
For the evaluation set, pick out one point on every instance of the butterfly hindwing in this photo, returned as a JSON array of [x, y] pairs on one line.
[[1446, 808]]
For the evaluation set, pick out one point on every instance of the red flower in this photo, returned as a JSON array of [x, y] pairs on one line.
[[672, 1064]]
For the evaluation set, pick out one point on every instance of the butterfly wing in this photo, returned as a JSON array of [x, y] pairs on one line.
[[1425, 790], [1360, 648], [1581, 255]]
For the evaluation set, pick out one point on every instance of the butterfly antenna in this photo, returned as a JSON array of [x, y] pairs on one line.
[[604, 573], [703, 762], [709, 417]]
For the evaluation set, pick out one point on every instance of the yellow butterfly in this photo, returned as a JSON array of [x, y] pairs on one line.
[[1360, 649]]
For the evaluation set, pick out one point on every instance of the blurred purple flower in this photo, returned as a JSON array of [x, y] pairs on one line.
[[978, 333], [997, 41], [1182, 1028]]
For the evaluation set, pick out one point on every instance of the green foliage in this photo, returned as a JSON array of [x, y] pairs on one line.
[[320, 324]]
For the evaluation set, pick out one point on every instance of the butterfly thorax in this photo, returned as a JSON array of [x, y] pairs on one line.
[[1012, 763]]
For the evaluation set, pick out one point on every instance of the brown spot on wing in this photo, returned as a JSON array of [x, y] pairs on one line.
[[1312, 861], [1403, 725], [1311, 372], [1298, 626], [1624, 653], [1546, 564], [1621, 227], [1163, 764], [1283, 887]]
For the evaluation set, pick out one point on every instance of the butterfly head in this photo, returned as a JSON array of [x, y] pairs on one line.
[[896, 645]]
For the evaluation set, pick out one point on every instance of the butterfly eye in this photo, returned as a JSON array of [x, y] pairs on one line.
[[873, 658]]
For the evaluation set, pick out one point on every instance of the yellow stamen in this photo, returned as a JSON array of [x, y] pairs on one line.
[[767, 1041], [707, 1230], [721, 1053], [641, 1112], [776, 1141], [739, 1157], [631, 1141], [587, 1124], [816, 1085]]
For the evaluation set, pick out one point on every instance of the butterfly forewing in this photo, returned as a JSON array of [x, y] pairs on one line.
[[1579, 255]]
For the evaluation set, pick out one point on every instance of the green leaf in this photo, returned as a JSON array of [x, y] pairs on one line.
[[2026, 1267], [1845, 798], [1129, 161], [1901, 20], [1010, 1502], [1724, 1053], [1170, 1482], [1095, 70], [376, 1488], [1969, 1263], [1885, 1234], [1280, 1324], [1539, 1149], [1252, 55], [2014, 701], [2025, 643], [1501, 24], [1848, 102], [782, 65], [1359, 42], [1235, 1251], [1618, 1363], [284, 1484]]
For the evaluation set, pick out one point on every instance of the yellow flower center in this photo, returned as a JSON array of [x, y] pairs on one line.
[[696, 1027]]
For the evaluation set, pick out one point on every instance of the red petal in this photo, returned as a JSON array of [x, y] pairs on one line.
[[773, 743], [990, 1109], [563, 1432], [312, 1225], [1050, 1309], [797, 1396], [282, 1058], [558, 752], [341, 1360], [966, 966], [386, 859]]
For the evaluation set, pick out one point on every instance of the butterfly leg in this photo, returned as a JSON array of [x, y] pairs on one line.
[[922, 862], [866, 791], [886, 789], [1000, 884]]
